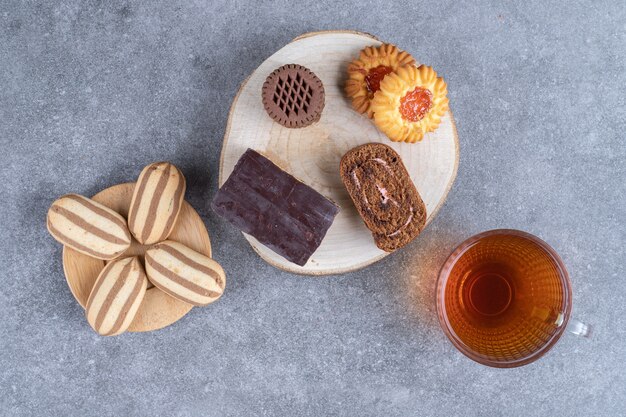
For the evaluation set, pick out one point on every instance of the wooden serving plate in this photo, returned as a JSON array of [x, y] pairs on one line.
[[157, 309], [312, 154]]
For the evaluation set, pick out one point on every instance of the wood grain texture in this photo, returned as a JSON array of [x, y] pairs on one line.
[[157, 309], [312, 154]]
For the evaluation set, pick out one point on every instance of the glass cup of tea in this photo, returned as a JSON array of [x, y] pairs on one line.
[[504, 298]]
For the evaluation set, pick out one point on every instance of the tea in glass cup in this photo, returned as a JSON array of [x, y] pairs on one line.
[[504, 298]]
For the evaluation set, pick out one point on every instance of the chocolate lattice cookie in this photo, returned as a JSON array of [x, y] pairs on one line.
[[293, 96]]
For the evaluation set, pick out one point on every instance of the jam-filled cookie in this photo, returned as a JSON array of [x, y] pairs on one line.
[[410, 102], [367, 71]]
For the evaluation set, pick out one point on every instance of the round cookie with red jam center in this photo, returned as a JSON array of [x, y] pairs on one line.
[[293, 96], [416, 104], [367, 72], [410, 103]]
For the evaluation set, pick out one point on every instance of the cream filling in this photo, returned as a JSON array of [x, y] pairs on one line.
[[384, 194], [357, 184]]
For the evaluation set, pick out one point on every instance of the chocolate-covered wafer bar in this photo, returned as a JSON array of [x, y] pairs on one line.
[[281, 212]]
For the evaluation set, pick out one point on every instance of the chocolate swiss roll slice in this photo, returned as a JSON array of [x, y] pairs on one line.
[[383, 194]]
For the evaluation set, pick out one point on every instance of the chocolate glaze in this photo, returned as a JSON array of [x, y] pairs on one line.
[[281, 212]]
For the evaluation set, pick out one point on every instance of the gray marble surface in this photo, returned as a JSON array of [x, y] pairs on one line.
[[92, 91]]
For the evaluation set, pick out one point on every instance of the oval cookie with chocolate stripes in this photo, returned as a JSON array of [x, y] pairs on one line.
[[88, 227], [156, 203], [184, 273], [116, 296]]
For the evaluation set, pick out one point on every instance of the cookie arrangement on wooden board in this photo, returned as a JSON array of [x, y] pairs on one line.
[[312, 154], [331, 160], [157, 309], [180, 271]]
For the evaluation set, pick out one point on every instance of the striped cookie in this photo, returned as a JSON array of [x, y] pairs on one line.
[[88, 227], [116, 296], [156, 202], [184, 273]]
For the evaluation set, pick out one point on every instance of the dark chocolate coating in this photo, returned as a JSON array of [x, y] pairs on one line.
[[281, 212]]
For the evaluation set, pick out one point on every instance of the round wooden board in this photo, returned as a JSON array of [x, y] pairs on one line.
[[157, 309], [312, 154]]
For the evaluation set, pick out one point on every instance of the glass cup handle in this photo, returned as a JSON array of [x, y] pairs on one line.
[[578, 328], [573, 326]]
